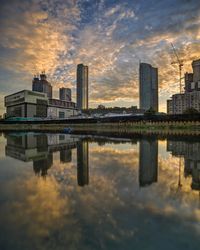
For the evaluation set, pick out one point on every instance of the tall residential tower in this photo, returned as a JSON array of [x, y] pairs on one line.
[[82, 87], [148, 87]]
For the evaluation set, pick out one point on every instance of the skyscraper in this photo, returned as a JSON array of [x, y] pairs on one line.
[[148, 87], [42, 85], [82, 87], [65, 94]]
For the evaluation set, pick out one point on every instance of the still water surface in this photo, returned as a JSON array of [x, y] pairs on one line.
[[61, 191]]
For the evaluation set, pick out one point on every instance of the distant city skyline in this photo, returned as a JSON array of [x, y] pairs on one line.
[[111, 37]]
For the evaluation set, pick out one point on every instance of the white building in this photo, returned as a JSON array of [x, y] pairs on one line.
[[191, 97], [61, 109], [26, 103]]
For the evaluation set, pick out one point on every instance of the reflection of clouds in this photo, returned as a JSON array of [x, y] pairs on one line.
[[39, 200], [35, 217], [112, 209]]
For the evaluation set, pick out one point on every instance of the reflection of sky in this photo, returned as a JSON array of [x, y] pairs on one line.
[[112, 212], [109, 36]]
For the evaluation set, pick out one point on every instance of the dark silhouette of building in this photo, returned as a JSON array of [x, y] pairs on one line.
[[82, 87], [27, 147], [148, 162], [39, 148], [82, 163], [41, 166], [42, 85], [65, 94], [65, 155], [190, 151], [148, 87]]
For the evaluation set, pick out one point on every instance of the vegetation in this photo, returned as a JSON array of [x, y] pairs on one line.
[[101, 109], [191, 111], [150, 111]]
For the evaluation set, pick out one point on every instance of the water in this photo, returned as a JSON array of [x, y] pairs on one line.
[[61, 191]]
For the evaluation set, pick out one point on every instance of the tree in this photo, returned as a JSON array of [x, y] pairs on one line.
[[150, 111], [191, 111]]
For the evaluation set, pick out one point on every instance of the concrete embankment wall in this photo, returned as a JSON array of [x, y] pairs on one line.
[[173, 127]]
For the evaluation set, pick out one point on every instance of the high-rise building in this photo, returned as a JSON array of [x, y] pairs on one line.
[[65, 94], [148, 87], [82, 86], [42, 85]]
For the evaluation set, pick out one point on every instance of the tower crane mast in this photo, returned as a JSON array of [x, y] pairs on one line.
[[180, 64]]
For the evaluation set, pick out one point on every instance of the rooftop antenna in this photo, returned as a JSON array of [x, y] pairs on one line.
[[180, 64]]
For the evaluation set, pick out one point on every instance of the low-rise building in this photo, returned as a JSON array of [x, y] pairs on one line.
[[39, 102], [61, 109], [26, 103]]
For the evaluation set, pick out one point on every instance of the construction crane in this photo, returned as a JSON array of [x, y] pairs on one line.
[[180, 64]]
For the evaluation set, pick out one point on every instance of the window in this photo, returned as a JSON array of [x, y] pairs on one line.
[[61, 114]]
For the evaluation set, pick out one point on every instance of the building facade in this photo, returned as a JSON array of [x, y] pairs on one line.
[[179, 103], [61, 109], [82, 87], [42, 85], [148, 87], [65, 94], [26, 103]]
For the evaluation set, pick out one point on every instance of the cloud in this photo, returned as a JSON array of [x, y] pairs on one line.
[[111, 38], [54, 212]]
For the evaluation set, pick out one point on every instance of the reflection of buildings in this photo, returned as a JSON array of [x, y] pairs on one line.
[[148, 162], [39, 148], [65, 155], [82, 163], [191, 153], [41, 166], [26, 147]]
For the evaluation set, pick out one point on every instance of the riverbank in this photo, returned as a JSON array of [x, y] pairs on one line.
[[185, 128]]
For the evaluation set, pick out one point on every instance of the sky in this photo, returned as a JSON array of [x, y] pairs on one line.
[[110, 36]]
